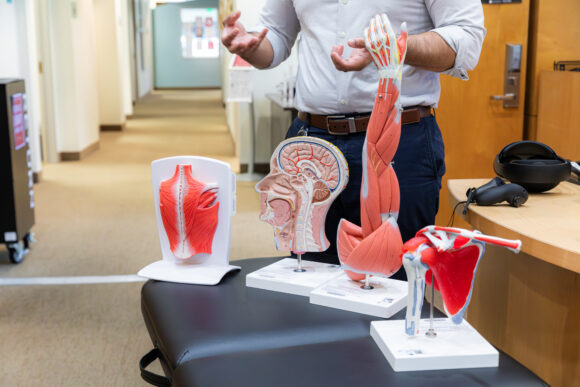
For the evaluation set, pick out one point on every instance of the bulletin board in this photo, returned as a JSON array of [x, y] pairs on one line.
[[199, 33]]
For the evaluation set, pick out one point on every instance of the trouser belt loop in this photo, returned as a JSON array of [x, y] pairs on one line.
[[351, 125]]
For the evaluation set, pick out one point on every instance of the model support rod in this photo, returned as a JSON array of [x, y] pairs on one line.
[[367, 285], [431, 332], [299, 269]]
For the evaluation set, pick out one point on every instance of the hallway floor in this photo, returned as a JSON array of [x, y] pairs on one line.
[[95, 217]]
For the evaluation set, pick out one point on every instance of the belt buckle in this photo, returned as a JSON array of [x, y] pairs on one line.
[[338, 117]]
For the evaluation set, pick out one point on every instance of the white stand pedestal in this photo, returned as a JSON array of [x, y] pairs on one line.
[[281, 277], [202, 274], [387, 298], [455, 346]]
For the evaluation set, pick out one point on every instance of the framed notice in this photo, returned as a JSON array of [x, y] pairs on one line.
[[18, 120], [199, 33], [240, 80]]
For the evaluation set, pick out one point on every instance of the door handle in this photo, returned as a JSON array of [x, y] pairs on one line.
[[505, 97], [511, 78]]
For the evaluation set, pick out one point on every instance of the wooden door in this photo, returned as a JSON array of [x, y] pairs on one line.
[[474, 127]]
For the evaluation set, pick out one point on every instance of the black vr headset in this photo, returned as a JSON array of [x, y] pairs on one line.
[[533, 165]]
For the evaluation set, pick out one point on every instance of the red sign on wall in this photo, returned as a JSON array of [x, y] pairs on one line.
[[18, 121]]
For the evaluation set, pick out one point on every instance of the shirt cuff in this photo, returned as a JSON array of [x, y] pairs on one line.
[[454, 36], [277, 43]]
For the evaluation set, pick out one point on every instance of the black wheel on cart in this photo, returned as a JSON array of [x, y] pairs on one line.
[[16, 252], [28, 240]]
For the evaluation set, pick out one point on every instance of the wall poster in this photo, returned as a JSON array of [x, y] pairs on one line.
[[199, 33]]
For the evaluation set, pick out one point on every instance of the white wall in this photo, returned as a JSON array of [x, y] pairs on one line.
[[30, 56], [85, 74], [144, 46], [108, 69], [112, 58], [19, 60], [265, 81], [9, 42], [123, 24], [75, 95]]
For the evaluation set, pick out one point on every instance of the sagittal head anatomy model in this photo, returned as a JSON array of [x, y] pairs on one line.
[[374, 247], [306, 175], [451, 255], [189, 210]]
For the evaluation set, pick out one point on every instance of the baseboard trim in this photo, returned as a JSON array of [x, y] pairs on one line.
[[258, 168], [76, 156], [112, 128], [36, 177]]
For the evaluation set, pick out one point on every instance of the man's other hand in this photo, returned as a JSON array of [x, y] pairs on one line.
[[358, 59], [237, 40]]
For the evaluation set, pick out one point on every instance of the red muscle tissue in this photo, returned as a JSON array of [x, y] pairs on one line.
[[189, 210], [450, 256]]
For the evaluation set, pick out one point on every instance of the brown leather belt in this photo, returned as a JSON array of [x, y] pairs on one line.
[[342, 124]]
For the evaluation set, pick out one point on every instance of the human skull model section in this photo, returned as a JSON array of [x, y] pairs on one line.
[[306, 175], [189, 210]]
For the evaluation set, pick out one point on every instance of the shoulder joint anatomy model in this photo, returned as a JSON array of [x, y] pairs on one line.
[[375, 246], [450, 257], [306, 175], [189, 210]]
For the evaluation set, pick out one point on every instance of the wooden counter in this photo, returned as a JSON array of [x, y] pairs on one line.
[[548, 224], [528, 304]]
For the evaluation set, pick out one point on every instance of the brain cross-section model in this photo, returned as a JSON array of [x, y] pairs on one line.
[[306, 175], [189, 210]]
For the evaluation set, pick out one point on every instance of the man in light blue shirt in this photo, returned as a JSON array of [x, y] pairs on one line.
[[336, 84]]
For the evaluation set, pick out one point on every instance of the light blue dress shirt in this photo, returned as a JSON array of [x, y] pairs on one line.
[[321, 89]]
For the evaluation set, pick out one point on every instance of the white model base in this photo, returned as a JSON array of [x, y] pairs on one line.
[[281, 277], [387, 297], [455, 346], [202, 274]]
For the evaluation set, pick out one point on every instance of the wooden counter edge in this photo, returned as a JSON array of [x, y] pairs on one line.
[[549, 253]]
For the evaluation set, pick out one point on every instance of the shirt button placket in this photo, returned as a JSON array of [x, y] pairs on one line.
[[342, 21]]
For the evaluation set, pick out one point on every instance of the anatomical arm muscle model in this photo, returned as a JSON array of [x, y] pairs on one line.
[[451, 255], [375, 246], [189, 210]]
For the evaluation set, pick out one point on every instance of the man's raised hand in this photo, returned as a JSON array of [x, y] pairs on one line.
[[358, 59], [237, 40]]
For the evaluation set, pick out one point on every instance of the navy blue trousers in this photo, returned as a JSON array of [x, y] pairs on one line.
[[419, 164]]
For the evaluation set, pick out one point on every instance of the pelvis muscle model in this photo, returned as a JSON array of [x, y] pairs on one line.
[[375, 247], [451, 255], [306, 175], [189, 210]]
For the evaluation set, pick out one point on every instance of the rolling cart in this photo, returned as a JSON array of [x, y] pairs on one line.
[[16, 178]]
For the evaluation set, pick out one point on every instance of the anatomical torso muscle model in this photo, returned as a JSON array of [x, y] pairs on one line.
[[306, 175], [375, 246], [189, 210]]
